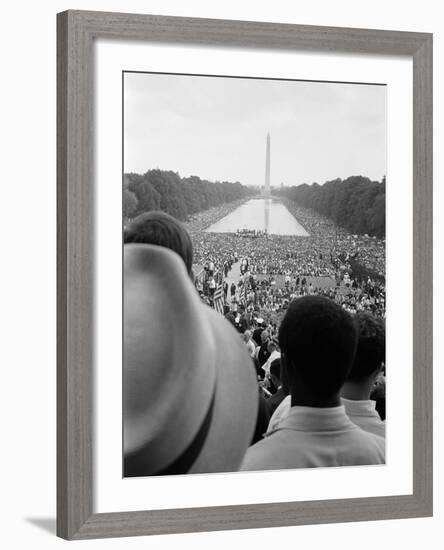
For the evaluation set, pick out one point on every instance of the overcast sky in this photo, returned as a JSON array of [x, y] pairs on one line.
[[216, 128]]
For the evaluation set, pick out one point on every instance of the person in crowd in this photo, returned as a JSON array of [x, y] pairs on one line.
[[211, 268], [257, 333], [263, 354], [233, 291], [161, 229], [275, 377], [318, 341], [249, 343], [231, 316], [368, 363], [225, 289], [246, 319], [274, 353], [212, 286]]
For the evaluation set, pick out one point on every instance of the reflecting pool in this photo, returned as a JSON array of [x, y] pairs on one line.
[[260, 214]]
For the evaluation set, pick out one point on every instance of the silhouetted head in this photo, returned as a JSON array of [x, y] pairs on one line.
[[318, 342]]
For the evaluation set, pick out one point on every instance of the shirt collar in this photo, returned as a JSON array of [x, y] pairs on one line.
[[316, 419], [359, 408]]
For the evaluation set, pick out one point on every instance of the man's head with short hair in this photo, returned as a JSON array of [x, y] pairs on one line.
[[370, 353], [161, 229], [318, 342]]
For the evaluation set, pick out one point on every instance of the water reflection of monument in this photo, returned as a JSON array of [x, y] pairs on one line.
[[266, 192], [267, 167], [260, 215], [267, 203]]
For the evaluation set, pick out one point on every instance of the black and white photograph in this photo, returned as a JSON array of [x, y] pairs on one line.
[[254, 274]]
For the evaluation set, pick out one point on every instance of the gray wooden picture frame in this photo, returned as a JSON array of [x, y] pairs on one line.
[[76, 32]]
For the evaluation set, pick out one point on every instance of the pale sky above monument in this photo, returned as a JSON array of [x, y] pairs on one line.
[[216, 128]]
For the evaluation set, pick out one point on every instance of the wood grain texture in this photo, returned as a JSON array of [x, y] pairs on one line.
[[423, 273], [62, 291], [74, 276], [222, 518], [75, 271], [226, 33]]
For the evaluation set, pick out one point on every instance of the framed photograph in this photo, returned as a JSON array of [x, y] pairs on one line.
[[244, 214]]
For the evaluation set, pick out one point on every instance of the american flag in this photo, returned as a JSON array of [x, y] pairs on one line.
[[218, 299]]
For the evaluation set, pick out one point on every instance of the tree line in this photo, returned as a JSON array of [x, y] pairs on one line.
[[356, 203], [181, 197]]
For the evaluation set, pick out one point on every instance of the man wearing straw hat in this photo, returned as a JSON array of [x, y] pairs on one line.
[[190, 394]]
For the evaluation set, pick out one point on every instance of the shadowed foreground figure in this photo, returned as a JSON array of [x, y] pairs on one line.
[[318, 341], [364, 388]]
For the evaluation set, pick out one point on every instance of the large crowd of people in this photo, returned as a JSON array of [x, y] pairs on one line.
[[275, 269], [309, 313]]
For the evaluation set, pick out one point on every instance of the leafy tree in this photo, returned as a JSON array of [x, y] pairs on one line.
[[181, 197], [356, 203], [130, 203], [147, 196]]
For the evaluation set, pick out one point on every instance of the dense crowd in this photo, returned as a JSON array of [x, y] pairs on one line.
[[320, 254], [274, 269]]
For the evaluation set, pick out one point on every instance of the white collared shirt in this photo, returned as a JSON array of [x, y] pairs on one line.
[[281, 412], [364, 415], [361, 413], [311, 437]]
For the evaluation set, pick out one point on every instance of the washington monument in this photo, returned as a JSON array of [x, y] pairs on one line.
[[267, 167]]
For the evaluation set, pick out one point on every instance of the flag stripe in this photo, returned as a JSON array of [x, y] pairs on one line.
[[218, 299]]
